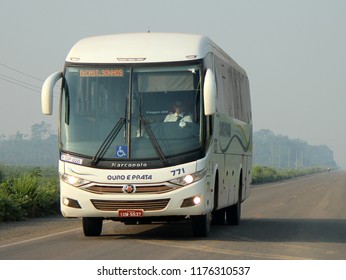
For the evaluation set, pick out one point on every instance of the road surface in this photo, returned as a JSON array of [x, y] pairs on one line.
[[293, 220]]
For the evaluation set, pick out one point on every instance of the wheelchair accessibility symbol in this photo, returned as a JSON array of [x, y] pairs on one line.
[[121, 151]]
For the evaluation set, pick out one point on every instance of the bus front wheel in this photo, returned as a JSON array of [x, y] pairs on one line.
[[92, 226], [201, 225]]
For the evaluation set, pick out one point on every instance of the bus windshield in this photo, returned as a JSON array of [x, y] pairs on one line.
[[115, 113]]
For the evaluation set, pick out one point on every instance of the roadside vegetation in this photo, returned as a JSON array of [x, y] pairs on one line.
[[29, 192], [263, 174]]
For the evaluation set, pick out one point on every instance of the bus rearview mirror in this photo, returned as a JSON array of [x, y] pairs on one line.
[[47, 93], [209, 90]]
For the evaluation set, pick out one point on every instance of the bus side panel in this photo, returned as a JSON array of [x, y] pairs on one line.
[[247, 177]]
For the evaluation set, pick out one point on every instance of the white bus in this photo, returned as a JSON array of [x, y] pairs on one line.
[[152, 128]]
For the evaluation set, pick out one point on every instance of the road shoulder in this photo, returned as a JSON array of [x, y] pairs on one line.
[[31, 228]]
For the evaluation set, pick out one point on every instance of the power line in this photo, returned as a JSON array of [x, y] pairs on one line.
[[13, 82], [18, 81], [15, 70], [22, 83]]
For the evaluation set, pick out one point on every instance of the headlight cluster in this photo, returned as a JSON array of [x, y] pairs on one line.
[[190, 178], [73, 181]]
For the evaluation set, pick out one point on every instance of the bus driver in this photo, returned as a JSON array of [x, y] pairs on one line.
[[178, 115]]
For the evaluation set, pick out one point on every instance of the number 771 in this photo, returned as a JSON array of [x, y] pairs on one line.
[[178, 171]]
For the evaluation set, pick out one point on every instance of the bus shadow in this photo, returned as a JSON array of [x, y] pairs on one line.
[[157, 231], [250, 230], [285, 230]]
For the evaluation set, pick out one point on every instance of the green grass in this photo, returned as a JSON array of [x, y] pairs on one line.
[[28, 195], [264, 174]]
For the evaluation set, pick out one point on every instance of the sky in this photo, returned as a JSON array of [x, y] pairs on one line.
[[293, 51]]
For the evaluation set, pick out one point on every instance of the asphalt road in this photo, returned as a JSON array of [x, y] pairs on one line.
[[298, 219]]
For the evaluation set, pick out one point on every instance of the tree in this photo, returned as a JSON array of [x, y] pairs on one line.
[[41, 131], [39, 150], [2, 174], [281, 152]]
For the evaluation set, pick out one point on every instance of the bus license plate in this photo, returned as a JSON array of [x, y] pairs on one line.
[[130, 213]]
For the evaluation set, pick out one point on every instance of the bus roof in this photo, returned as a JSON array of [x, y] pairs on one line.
[[144, 48]]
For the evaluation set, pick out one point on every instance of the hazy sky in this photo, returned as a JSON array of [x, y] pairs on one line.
[[294, 52]]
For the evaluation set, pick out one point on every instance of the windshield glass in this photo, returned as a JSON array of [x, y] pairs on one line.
[[114, 113]]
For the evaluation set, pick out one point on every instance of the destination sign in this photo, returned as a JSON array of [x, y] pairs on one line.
[[101, 72]]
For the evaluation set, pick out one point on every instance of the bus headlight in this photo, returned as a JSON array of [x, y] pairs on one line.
[[190, 178], [73, 180]]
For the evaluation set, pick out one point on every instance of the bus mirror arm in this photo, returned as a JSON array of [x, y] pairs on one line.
[[209, 90], [47, 93]]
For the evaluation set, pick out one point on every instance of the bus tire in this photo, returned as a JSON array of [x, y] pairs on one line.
[[233, 212], [92, 226], [201, 225], [218, 217]]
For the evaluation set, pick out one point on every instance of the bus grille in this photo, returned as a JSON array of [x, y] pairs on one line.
[[115, 205], [118, 189]]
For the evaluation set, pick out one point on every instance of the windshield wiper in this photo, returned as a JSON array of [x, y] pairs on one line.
[[108, 141], [153, 140]]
